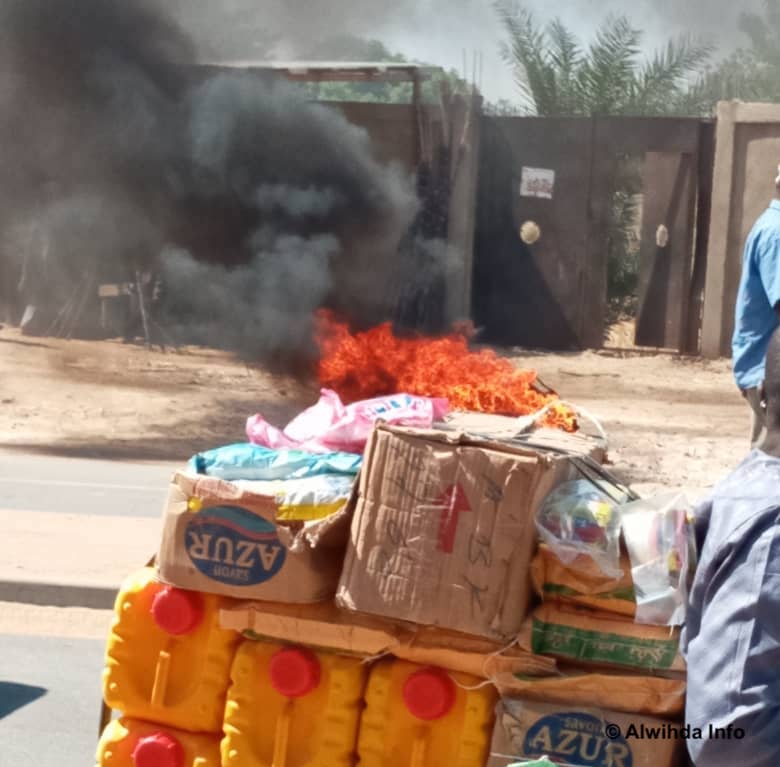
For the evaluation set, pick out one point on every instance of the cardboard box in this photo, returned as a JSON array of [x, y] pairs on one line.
[[224, 538], [581, 737], [601, 640], [327, 627], [443, 531], [503, 428], [618, 691]]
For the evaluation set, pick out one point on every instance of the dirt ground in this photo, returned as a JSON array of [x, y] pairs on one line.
[[673, 422]]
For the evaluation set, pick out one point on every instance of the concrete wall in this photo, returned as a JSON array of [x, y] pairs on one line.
[[746, 160]]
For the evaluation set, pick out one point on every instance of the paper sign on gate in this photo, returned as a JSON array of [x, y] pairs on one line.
[[537, 182]]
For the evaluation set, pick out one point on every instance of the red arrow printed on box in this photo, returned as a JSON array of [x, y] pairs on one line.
[[454, 503]]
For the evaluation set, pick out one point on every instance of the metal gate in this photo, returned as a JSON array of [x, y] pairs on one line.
[[559, 173]]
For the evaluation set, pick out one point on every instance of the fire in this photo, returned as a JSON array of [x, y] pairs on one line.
[[376, 362]]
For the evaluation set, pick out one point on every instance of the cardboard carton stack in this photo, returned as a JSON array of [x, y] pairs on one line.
[[435, 568], [434, 560], [618, 679]]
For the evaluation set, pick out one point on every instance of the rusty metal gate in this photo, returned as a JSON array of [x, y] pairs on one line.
[[559, 173]]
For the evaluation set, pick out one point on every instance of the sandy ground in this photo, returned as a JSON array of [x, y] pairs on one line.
[[673, 422]]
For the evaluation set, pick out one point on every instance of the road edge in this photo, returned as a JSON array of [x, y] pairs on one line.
[[57, 594]]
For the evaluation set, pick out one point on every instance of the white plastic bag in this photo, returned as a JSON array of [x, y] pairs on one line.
[[657, 536], [578, 518]]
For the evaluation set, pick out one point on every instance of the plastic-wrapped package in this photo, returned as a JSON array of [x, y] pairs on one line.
[[330, 425], [579, 518], [306, 499], [658, 538], [255, 462]]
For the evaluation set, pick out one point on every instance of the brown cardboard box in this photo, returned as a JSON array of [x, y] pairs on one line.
[[498, 428], [601, 640], [614, 690], [327, 627], [443, 531], [223, 538], [581, 737]]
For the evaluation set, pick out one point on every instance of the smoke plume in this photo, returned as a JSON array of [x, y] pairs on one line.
[[256, 205], [436, 31]]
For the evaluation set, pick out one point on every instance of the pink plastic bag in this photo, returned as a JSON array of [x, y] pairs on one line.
[[332, 426]]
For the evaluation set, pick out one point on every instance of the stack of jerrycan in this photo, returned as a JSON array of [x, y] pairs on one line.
[[292, 707], [191, 694], [167, 672]]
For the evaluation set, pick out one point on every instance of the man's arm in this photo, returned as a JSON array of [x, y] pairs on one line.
[[733, 660]]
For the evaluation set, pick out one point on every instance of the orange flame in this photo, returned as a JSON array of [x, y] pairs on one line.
[[376, 362]]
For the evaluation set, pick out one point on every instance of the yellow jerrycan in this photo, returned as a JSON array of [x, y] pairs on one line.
[[419, 716], [289, 706], [167, 659], [131, 743]]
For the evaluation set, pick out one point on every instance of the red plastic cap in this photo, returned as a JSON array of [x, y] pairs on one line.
[[158, 750], [177, 611], [429, 694], [294, 672]]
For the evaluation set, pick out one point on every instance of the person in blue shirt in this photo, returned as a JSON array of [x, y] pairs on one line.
[[757, 309], [731, 640]]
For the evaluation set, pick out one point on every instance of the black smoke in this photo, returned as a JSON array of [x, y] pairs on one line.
[[119, 155]]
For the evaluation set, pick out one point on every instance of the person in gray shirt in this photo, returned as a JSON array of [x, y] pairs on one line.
[[731, 640]]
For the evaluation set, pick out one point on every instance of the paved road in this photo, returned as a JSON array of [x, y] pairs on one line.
[[81, 486], [49, 696], [61, 518], [73, 529]]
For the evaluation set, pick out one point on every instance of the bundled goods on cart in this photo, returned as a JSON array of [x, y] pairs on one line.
[[363, 587], [612, 572]]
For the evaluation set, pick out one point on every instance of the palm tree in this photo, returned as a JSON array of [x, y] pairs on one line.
[[557, 75]]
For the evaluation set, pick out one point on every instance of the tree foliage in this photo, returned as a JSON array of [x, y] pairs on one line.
[[557, 74], [763, 33], [752, 73], [739, 76]]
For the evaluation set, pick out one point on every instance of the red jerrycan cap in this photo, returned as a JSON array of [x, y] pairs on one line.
[[294, 672], [158, 750], [177, 611], [429, 694]]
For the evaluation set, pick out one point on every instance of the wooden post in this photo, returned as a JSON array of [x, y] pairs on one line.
[[467, 113], [706, 159], [593, 279], [142, 307], [418, 117]]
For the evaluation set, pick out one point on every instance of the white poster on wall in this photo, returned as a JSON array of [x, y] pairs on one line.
[[537, 182]]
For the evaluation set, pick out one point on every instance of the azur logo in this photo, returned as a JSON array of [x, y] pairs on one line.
[[576, 738], [234, 546]]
